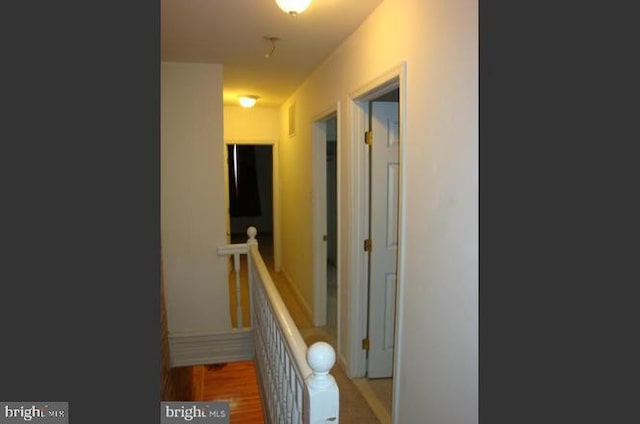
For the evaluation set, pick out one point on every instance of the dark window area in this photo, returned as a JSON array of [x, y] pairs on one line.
[[244, 196]]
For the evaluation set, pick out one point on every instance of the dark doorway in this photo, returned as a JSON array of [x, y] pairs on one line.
[[250, 179]]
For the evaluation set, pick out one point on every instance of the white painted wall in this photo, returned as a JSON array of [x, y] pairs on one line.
[[257, 123], [192, 213], [438, 310]]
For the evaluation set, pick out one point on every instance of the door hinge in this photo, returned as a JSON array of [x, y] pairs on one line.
[[365, 344], [368, 138], [367, 245]]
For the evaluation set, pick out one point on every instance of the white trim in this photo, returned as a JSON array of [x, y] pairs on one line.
[[342, 361], [210, 348], [232, 249], [338, 237], [379, 85], [402, 231], [357, 320], [319, 221], [327, 113], [275, 165], [358, 291], [277, 236], [319, 211], [227, 218]]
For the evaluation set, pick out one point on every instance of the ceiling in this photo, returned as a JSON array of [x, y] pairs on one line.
[[231, 33]]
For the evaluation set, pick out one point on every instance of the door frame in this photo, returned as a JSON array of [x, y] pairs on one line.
[[277, 258], [359, 218], [319, 201]]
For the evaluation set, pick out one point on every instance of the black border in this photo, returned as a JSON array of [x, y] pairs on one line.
[[79, 161], [558, 213], [79, 168]]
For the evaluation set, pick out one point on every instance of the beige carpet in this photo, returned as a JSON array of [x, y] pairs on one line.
[[353, 406], [383, 389]]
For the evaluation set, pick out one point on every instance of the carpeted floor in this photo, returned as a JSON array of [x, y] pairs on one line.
[[353, 406], [383, 389]]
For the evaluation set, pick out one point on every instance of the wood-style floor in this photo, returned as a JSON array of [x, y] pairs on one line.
[[235, 383]]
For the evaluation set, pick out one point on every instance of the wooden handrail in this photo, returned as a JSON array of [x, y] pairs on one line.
[[288, 326]]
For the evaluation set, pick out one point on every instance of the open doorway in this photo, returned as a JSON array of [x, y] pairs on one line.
[[379, 119], [250, 194], [384, 168], [332, 227], [383, 144], [326, 261]]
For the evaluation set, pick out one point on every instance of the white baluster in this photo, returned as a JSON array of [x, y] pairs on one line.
[[295, 379], [236, 268], [321, 396]]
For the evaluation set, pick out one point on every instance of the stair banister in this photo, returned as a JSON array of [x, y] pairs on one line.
[[294, 379]]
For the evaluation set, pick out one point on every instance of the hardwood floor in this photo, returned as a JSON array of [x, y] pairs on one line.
[[235, 383]]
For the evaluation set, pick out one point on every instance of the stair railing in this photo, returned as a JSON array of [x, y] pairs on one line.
[[294, 379]]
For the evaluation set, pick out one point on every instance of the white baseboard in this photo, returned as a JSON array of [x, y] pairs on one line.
[[343, 363], [210, 348], [296, 291]]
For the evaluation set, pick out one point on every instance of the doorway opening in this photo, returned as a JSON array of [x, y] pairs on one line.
[[383, 139], [332, 228], [326, 261], [377, 126], [249, 180]]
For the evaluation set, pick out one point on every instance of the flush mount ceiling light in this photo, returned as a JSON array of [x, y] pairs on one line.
[[293, 7], [247, 101]]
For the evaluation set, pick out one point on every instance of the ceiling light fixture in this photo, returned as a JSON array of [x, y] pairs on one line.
[[247, 101], [293, 7]]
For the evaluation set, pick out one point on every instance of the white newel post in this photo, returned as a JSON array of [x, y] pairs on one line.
[[321, 396], [252, 232]]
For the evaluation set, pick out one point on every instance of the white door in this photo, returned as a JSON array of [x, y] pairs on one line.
[[384, 237]]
